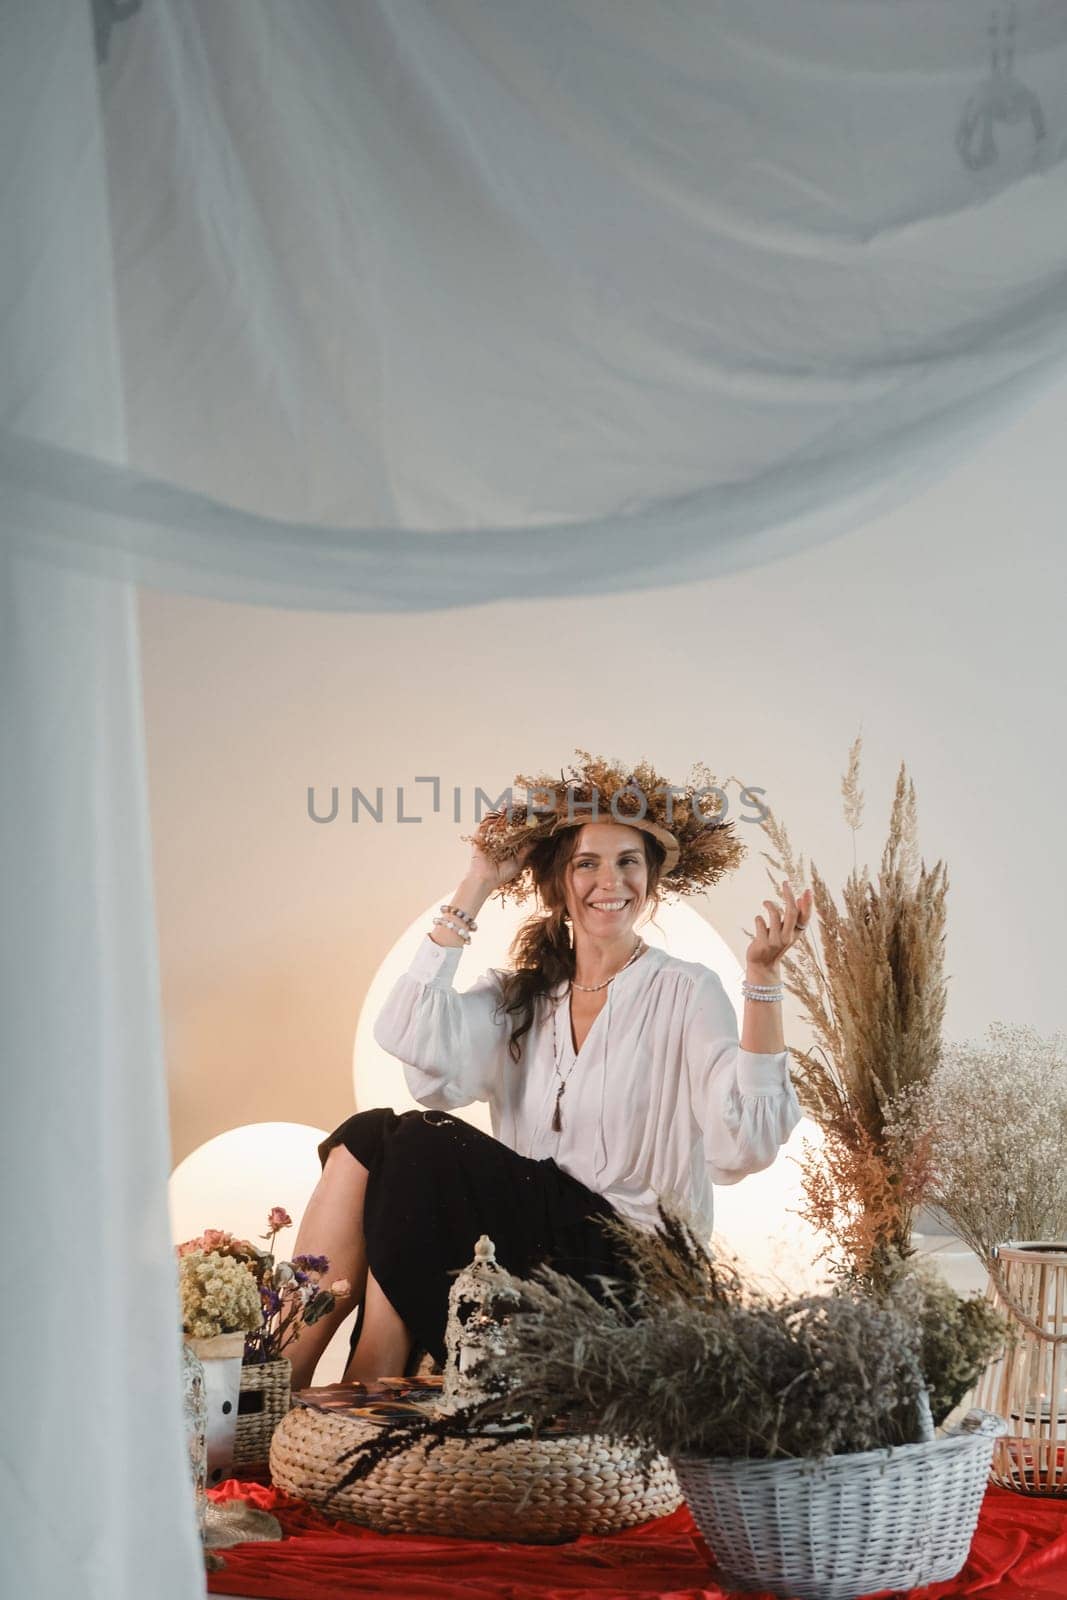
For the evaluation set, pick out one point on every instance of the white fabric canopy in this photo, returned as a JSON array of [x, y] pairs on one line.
[[394, 284], [401, 304]]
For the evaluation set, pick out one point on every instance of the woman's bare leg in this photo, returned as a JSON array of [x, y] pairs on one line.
[[384, 1342], [332, 1226]]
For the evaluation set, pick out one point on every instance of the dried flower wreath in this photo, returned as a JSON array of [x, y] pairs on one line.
[[687, 820]]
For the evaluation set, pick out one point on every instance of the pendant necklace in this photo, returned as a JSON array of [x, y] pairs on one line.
[[557, 1118]]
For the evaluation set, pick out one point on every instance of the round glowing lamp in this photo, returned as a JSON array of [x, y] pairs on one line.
[[232, 1181]]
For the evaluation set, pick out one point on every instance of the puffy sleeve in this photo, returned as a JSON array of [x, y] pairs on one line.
[[744, 1103], [450, 1043]]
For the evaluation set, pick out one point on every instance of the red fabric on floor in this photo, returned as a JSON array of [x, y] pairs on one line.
[[1019, 1553]]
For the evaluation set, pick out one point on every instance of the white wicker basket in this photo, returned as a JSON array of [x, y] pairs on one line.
[[845, 1527]]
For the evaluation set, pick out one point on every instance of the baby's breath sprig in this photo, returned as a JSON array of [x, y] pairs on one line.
[[997, 1115]]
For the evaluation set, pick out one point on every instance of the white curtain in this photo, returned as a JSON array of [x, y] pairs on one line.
[[95, 1486], [398, 304]]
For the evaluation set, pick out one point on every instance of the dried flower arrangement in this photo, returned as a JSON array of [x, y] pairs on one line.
[[996, 1121], [230, 1286], [703, 1361], [875, 1000], [692, 1358], [712, 1365]]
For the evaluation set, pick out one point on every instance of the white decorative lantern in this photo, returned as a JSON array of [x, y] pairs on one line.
[[478, 1313]]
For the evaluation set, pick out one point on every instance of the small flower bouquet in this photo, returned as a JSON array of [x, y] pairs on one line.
[[293, 1294], [229, 1285]]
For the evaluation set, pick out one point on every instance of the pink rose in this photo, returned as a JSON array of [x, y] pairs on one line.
[[279, 1218]]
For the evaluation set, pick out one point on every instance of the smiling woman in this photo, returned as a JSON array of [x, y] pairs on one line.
[[613, 1071], [630, 873], [595, 881]]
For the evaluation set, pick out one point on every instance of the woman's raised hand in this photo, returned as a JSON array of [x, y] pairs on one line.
[[494, 873], [781, 929]]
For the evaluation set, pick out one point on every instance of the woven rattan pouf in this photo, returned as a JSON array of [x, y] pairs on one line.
[[532, 1491]]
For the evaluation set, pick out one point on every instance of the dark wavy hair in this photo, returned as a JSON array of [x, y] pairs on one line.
[[541, 953]]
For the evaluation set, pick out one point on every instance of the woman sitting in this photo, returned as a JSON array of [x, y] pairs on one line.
[[613, 1073]]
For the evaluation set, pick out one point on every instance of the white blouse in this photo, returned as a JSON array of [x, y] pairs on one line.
[[660, 1099]]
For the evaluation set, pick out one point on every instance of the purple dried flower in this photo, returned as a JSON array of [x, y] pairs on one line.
[[315, 1264]]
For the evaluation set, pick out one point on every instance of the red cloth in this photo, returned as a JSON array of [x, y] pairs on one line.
[[1019, 1553]]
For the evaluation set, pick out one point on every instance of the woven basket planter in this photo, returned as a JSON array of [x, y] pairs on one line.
[[880, 1519], [263, 1402], [532, 1491]]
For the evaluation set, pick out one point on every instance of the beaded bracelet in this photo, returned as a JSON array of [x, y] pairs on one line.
[[762, 991], [455, 926], [464, 916]]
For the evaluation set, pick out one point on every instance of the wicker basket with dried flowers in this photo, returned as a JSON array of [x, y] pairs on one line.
[[798, 1427]]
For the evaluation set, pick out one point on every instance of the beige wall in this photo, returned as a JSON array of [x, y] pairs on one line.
[[939, 629]]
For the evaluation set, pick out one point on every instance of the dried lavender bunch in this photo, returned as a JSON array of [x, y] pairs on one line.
[[697, 1360]]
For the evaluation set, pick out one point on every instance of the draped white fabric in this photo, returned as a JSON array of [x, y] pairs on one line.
[[96, 1493], [427, 304], [402, 304]]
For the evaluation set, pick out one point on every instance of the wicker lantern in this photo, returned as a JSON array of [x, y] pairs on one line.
[[1027, 1383]]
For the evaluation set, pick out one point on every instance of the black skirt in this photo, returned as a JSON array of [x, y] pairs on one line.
[[436, 1185]]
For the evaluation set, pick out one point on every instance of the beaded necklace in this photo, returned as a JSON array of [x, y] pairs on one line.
[[557, 1118]]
